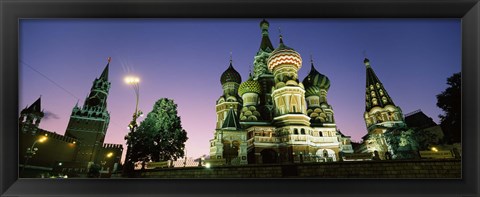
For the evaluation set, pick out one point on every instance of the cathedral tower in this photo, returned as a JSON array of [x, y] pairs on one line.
[[316, 88], [89, 123], [263, 75], [30, 117], [379, 106], [249, 91], [288, 94], [230, 81], [384, 121]]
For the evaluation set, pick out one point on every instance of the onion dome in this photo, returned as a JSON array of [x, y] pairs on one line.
[[314, 82], [284, 55], [230, 75], [252, 86]]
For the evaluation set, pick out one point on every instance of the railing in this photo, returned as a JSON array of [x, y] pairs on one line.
[[262, 139]]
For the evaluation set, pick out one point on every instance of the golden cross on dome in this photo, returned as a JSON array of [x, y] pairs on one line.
[[109, 59]]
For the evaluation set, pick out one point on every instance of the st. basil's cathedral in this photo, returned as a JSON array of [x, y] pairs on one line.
[[273, 117]]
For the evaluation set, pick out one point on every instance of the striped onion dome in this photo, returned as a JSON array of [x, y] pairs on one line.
[[284, 55], [314, 82], [249, 86]]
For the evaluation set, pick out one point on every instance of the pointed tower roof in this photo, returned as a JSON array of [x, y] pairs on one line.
[[266, 44], [231, 121], [376, 94], [105, 70], [36, 106]]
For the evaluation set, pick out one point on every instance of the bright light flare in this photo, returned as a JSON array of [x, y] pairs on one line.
[[110, 154], [132, 80], [434, 149], [43, 139], [207, 165]]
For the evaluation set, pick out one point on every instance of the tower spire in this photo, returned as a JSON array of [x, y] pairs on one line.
[[376, 94], [105, 70], [280, 34], [266, 44], [311, 59]]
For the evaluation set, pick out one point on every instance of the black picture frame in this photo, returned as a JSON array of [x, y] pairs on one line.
[[11, 11]]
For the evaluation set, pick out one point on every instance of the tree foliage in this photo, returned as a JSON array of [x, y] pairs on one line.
[[450, 102], [160, 136]]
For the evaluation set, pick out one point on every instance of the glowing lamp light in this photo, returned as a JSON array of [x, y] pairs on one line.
[[207, 165], [43, 139], [132, 80], [434, 149], [110, 154]]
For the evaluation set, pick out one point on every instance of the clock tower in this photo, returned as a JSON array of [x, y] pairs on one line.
[[89, 123]]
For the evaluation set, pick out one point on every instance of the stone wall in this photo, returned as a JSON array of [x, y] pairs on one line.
[[364, 169]]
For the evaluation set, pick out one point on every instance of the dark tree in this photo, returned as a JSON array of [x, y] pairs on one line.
[[450, 102], [160, 137]]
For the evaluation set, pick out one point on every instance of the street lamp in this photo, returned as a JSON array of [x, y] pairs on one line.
[[134, 82], [32, 150]]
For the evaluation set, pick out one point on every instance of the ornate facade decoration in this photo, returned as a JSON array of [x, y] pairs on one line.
[[89, 123], [388, 135], [272, 117]]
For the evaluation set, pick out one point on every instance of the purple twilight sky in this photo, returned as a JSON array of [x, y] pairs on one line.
[[183, 59]]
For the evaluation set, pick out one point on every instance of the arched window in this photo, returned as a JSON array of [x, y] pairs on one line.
[[302, 131], [281, 105], [295, 131], [294, 103]]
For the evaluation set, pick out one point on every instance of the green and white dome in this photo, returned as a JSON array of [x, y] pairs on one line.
[[249, 86], [314, 82]]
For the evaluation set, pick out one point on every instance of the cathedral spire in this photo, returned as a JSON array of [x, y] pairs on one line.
[[266, 44], [376, 94], [280, 35], [105, 70], [36, 106]]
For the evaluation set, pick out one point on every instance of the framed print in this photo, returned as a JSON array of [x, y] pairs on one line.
[[239, 98]]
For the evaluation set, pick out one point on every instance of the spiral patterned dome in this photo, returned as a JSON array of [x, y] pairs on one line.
[[230, 75], [314, 82], [250, 85], [284, 55]]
